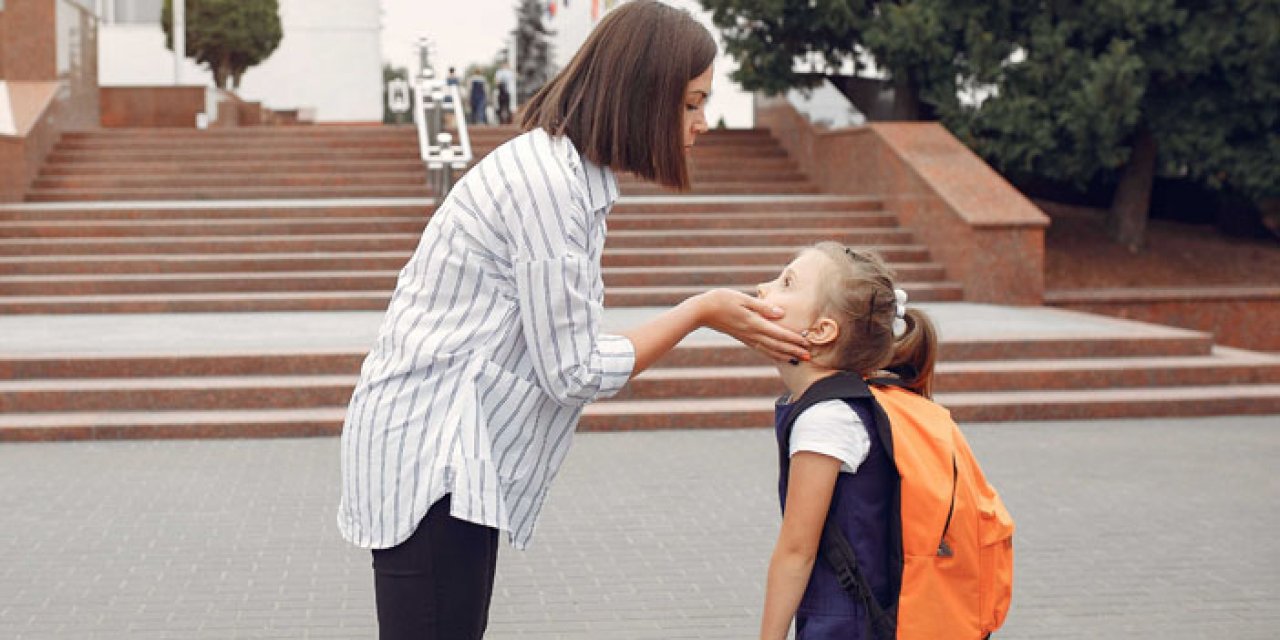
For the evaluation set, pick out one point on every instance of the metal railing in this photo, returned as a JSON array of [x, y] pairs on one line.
[[432, 100]]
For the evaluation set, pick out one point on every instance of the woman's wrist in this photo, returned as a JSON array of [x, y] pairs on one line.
[[697, 309]]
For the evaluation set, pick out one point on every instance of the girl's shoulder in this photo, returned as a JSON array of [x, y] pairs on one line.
[[832, 428], [834, 412]]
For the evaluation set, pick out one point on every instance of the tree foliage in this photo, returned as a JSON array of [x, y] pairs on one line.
[[923, 46], [533, 49], [229, 36], [1085, 92], [1102, 80]]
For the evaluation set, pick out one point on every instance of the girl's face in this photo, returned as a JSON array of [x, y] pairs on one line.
[[695, 103], [798, 290]]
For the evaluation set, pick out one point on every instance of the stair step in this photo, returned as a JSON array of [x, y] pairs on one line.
[[659, 296], [175, 394], [1221, 367], [414, 224], [264, 362], [268, 413], [199, 302], [361, 191], [740, 412], [355, 261], [1146, 402], [1012, 348], [970, 376], [625, 239], [197, 153], [412, 177], [162, 212], [238, 193], [378, 280], [1017, 358], [278, 423], [13, 253], [348, 294], [691, 206], [772, 256]]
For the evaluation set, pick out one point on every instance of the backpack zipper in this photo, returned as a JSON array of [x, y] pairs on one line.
[[944, 549]]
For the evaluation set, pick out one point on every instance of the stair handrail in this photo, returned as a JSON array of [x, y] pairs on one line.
[[441, 156]]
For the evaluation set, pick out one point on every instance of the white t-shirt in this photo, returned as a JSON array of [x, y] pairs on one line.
[[832, 428]]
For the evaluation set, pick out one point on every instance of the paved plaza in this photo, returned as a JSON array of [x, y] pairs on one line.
[[1126, 529], [285, 332]]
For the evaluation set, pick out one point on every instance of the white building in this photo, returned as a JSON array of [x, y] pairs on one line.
[[329, 60]]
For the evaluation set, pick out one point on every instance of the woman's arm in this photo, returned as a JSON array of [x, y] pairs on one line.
[[741, 316], [811, 482]]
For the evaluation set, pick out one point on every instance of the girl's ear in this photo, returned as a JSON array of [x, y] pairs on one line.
[[824, 331]]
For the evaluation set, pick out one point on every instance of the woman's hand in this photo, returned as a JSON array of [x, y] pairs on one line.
[[751, 321]]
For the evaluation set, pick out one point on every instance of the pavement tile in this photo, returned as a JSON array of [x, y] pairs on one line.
[[1133, 529]]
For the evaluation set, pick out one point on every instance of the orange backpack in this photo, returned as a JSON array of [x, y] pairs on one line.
[[956, 536]]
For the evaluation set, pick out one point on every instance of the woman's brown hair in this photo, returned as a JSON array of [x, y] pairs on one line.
[[620, 100], [859, 296]]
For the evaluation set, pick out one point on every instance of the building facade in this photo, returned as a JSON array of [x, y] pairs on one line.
[[329, 61]]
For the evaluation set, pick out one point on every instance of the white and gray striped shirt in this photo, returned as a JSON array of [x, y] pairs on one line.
[[490, 348]]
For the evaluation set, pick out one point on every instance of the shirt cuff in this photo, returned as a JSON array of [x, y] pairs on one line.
[[617, 359]]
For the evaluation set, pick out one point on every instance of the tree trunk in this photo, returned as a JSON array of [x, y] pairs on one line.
[[222, 71], [1131, 204], [906, 99]]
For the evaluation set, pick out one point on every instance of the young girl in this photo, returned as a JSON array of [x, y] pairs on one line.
[[491, 346], [845, 302]]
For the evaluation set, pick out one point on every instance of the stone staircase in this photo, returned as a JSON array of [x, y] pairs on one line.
[[337, 162], [267, 222], [320, 219], [324, 257], [1105, 368]]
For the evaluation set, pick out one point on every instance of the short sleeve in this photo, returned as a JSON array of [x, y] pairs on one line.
[[832, 428]]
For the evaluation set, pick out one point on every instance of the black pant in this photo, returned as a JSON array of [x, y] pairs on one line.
[[438, 583]]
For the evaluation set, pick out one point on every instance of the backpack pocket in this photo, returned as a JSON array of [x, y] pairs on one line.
[[995, 559]]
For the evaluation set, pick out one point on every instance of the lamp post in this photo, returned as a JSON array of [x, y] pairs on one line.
[[179, 38], [425, 70], [515, 71]]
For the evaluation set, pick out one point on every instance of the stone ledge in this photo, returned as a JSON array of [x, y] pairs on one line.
[[1163, 294], [1242, 316], [988, 235]]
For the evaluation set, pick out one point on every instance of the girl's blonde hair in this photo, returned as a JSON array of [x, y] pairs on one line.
[[859, 297]]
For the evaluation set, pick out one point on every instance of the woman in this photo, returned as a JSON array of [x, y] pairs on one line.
[[491, 345]]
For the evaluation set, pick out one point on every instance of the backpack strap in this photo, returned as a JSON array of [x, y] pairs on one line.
[[839, 553], [835, 547]]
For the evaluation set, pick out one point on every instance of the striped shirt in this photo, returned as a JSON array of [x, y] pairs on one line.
[[489, 350]]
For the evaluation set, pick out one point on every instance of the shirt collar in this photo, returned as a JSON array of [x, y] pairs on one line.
[[600, 184]]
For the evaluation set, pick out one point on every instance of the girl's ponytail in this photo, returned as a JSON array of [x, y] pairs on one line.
[[916, 353]]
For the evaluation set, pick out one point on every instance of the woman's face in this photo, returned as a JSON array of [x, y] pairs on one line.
[[695, 103]]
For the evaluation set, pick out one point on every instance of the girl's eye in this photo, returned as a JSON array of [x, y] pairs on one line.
[[691, 107], [786, 282]]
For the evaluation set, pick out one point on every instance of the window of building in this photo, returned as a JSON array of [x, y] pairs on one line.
[[137, 11]]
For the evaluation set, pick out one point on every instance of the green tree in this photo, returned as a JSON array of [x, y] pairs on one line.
[[1119, 91], [229, 36], [533, 49], [926, 48], [1091, 92]]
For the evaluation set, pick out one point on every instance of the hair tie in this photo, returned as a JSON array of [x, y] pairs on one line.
[[899, 313]]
